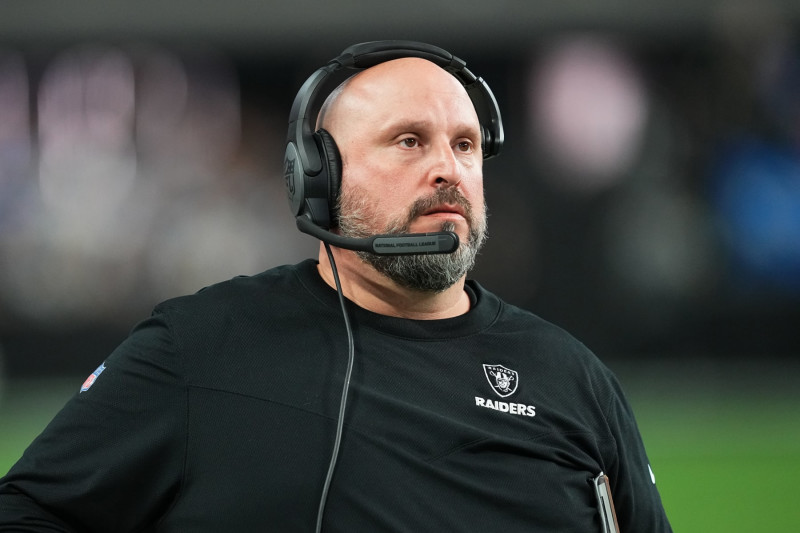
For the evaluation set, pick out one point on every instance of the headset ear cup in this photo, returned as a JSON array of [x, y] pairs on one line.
[[332, 166]]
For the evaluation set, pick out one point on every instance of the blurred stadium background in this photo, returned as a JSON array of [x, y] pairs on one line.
[[648, 198]]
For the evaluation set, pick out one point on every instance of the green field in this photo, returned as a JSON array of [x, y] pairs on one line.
[[724, 441], [726, 468], [725, 448]]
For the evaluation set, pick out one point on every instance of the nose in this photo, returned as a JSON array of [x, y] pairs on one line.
[[445, 170]]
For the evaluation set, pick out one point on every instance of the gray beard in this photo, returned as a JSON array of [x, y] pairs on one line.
[[424, 273]]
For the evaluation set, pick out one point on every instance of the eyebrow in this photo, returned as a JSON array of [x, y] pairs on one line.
[[406, 125], [414, 125]]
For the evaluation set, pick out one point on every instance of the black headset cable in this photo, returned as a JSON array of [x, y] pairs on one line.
[[343, 403]]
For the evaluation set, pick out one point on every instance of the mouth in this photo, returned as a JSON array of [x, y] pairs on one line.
[[445, 210]]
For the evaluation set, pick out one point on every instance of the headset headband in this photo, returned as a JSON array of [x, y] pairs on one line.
[[365, 55]]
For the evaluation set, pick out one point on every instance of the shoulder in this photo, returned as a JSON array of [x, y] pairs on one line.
[[512, 319], [231, 324], [545, 344], [241, 304], [240, 293]]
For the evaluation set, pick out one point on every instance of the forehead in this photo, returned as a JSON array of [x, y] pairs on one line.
[[412, 87], [407, 71]]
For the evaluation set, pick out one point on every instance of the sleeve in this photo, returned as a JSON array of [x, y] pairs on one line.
[[112, 458], [636, 497]]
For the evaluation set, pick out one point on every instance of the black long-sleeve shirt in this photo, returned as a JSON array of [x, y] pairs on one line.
[[218, 413]]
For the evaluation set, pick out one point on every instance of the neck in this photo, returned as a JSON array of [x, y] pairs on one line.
[[371, 290]]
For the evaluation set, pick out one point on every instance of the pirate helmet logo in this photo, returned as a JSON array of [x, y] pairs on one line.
[[503, 380]]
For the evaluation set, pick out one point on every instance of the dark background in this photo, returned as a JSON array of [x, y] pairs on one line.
[[647, 199]]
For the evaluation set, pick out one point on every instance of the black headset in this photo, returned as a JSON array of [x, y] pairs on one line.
[[312, 164]]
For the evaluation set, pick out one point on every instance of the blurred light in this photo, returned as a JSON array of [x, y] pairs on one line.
[[188, 111], [52, 280], [135, 186], [162, 93], [87, 156], [778, 83], [15, 141], [203, 244], [87, 93], [123, 137], [588, 107], [660, 244], [757, 196]]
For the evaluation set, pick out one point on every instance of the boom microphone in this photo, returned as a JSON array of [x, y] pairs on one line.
[[443, 242]]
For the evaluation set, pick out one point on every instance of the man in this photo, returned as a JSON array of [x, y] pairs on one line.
[[239, 409]]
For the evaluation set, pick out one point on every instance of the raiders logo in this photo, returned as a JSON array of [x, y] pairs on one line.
[[503, 380], [288, 176]]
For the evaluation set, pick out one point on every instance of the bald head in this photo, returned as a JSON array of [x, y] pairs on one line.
[[408, 85]]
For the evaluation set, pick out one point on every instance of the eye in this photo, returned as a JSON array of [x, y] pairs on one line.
[[409, 142], [464, 146]]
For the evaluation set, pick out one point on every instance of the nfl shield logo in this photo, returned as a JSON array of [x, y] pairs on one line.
[[92, 378], [503, 380]]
